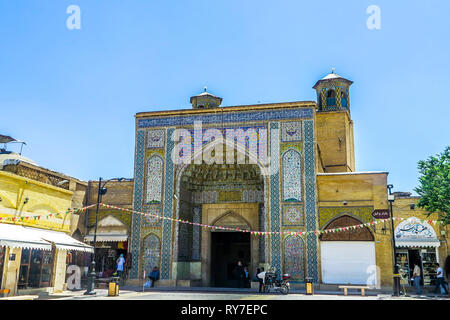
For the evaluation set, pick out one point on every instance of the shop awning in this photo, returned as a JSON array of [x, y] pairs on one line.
[[105, 237], [420, 244], [15, 236], [63, 241], [414, 232]]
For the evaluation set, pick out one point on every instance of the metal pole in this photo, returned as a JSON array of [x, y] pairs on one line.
[[99, 199], [396, 275], [91, 280]]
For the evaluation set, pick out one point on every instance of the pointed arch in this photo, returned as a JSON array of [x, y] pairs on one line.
[[151, 255], [265, 171], [360, 234], [222, 219], [294, 257]]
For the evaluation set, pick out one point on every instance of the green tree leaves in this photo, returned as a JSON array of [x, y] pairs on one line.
[[434, 186]]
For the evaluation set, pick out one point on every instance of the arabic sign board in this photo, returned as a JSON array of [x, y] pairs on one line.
[[380, 214], [413, 229]]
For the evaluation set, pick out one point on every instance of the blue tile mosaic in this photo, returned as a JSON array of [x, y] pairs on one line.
[[310, 199], [138, 194], [275, 220], [168, 208], [228, 117]]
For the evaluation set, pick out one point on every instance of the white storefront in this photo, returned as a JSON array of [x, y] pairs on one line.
[[416, 242]]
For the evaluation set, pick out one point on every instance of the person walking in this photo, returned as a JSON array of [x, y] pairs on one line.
[[240, 274], [447, 270], [246, 278], [154, 275], [416, 278], [120, 263], [440, 280]]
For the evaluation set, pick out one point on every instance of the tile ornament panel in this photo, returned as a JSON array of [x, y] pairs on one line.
[[168, 208], [275, 224], [196, 232], [292, 176], [137, 205], [149, 220], [155, 168], [291, 131], [293, 215], [155, 139], [310, 200], [151, 253], [293, 258]]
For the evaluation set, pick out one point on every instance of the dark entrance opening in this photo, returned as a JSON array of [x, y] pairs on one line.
[[227, 248], [414, 257]]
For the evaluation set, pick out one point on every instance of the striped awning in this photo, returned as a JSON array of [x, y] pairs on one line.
[[420, 244], [15, 236]]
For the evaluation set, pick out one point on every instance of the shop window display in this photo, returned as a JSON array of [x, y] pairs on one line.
[[429, 267], [426, 259], [36, 268]]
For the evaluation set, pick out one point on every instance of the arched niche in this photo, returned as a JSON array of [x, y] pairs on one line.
[[359, 234], [151, 253]]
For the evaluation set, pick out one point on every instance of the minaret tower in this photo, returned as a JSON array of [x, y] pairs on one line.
[[205, 100], [334, 125]]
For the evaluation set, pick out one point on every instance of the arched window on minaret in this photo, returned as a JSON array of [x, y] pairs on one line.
[[331, 97], [344, 100]]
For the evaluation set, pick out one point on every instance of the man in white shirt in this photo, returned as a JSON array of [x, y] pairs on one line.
[[416, 277], [440, 280]]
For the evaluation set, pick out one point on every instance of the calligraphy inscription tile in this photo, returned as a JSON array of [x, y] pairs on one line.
[[155, 139], [291, 131]]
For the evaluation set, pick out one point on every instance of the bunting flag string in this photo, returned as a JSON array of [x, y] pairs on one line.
[[252, 232], [268, 233], [46, 216]]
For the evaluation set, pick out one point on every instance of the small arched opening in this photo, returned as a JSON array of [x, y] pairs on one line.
[[331, 97], [344, 99]]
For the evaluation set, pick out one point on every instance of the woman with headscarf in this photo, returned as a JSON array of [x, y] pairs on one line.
[[120, 262]]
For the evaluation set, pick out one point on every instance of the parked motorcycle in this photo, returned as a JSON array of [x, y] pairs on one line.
[[272, 283]]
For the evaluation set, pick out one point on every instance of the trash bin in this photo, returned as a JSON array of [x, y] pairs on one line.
[[309, 286], [113, 287]]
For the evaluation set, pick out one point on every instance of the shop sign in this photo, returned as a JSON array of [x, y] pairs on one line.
[[380, 213], [414, 230]]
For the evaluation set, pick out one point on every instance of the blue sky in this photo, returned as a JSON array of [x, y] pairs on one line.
[[72, 94]]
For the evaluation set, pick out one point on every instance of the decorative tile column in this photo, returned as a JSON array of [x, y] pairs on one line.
[[166, 244], [310, 199], [275, 224], [137, 205]]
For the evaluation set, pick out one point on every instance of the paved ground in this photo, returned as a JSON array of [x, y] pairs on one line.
[[135, 293]]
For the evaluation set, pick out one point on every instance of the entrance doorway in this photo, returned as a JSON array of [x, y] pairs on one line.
[[227, 248]]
